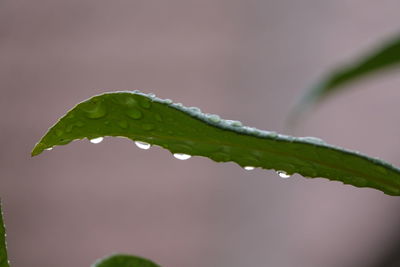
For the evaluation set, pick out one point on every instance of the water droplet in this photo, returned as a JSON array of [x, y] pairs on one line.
[[134, 113], [145, 103], [381, 169], [232, 123], [311, 139], [359, 181], [214, 118], [94, 110], [308, 171], [63, 141], [96, 140], [182, 156], [125, 100], [142, 145], [220, 157], [148, 126], [130, 101], [48, 149], [248, 160], [69, 127], [249, 168], [182, 148], [272, 134], [195, 109], [158, 117], [236, 123], [123, 124], [79, 123], [283, 174], [59, 132]]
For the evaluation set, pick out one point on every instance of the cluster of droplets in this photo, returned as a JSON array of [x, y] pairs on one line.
[[280, 173], [95, 110], [145, 146], [180, 156], [212, 119]]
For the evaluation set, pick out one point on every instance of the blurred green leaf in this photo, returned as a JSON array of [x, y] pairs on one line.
[[187, 131], [383, 58], [3, 245], [119, 260]]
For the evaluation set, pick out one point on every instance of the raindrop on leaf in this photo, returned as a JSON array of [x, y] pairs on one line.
[[249, 168], [182, 156], [142, 145], [96, 140], [283, 174]]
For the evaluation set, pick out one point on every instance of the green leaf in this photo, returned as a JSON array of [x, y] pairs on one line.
[[185, 130], [3, 245], [382, 58], [120, 260]]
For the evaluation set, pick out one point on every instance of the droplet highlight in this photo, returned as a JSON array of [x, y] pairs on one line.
[[249, 168], [182, 156], [96, 140], [142, 145], [49, 149], [283, 174]]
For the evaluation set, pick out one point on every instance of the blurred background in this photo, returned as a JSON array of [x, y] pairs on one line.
[[245, 60]]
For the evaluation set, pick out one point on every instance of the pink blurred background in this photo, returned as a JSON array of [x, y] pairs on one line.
[[246, 60]]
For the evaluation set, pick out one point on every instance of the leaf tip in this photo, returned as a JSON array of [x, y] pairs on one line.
[[38, 149]]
